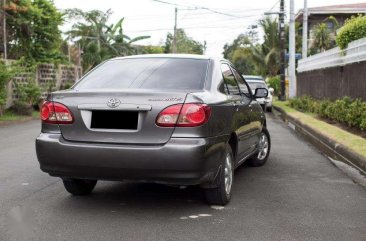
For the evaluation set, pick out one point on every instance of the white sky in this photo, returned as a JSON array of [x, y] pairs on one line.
[[146, 17]]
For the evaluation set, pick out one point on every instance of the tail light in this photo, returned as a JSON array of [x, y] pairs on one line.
[[184, 115], [56, 113]]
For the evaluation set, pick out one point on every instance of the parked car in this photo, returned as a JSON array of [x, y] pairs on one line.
[[258, 82], [171, 119]]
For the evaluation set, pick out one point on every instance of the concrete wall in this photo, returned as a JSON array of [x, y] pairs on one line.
[[334, 82], [48, 77], [334, 73]]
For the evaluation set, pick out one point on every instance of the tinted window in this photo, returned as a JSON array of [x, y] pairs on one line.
[[229, 80], [147, 73], [254, 85], [242, 85]]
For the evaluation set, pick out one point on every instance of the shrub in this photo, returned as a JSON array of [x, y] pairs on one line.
[[354, 28], [304, 104], [274, 82], [351, 112], [28, 95]]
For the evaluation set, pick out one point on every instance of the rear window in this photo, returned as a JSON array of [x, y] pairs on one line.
[[147, 73], [255, 85]]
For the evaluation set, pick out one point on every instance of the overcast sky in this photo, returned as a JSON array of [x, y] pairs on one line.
[[147, 17]]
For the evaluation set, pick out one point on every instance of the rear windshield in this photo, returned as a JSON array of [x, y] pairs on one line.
[[255, 85], [147, 73]]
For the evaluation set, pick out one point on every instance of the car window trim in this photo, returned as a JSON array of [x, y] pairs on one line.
[[250, 94], [227, 63]]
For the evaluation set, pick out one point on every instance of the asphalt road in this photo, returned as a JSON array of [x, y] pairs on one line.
[[297, 195]]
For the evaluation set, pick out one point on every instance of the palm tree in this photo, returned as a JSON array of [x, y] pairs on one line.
[[267, 55], [97, 39], [322, 38]]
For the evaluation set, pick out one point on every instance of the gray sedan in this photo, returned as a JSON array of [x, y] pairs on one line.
[[171, 119]]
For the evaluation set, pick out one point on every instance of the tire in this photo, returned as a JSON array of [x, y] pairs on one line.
[[269, 109], [79, 187], [264, 145], [221, 194]]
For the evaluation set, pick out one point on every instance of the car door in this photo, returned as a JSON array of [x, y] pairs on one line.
[[241, 119], [255, 113]]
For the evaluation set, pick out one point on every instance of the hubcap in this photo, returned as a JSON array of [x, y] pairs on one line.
[[263, 146], [228, 174]]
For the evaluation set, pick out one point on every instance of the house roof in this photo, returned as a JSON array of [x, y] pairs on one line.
[[334, 9]]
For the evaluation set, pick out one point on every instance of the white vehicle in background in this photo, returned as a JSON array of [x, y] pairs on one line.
[[258, 82]]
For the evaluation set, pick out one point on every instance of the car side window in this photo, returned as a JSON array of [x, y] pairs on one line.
[[242, 84], [229, 80]]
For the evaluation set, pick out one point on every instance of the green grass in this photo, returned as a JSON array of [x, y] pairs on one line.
[[354, 142], [9, 116]]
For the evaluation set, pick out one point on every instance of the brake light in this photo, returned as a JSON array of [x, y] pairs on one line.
[[184, 115], [56, 113]]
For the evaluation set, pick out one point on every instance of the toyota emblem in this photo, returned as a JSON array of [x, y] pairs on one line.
[[113, 103]]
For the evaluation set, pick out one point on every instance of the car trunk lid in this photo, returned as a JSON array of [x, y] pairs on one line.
[[121, 117]]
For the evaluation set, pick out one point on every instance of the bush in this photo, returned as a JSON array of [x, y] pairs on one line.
[[29, 94], [351, 112], [274, 82], [304, 104], [354, 28], [5, 75]]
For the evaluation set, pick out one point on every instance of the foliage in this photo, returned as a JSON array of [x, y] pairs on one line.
[[322, 35], [354, 28], [28, 93], [185, 44], [266, 57], [322, 38], [5, 75], [98, 40], [240, 54], [274, 82], [150, 49], [351, 112], [33, 30]]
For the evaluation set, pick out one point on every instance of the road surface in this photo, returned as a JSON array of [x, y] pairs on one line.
[[297, 195]]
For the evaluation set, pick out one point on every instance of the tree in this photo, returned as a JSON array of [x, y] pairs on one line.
[[33, 30], [185, 44], [240, 54], [266, 56], [98, 40], [322, 38]]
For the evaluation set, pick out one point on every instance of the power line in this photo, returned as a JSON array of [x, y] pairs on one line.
[[195, 7]]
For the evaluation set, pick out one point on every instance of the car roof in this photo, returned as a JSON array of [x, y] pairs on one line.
[[178, 56], [253, 77]]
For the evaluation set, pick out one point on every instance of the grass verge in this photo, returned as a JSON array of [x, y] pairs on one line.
[[353, 142], [9, 117]]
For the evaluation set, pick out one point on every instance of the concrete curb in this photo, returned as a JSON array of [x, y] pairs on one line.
[[325, 144]]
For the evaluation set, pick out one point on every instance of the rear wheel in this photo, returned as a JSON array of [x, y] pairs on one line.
[[79, 187], [221, 194], [264, 147]]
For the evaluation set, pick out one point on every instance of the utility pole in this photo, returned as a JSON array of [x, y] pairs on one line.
[[283, 51], [4, 32], [292, 52], [174, 45], [305, 30]]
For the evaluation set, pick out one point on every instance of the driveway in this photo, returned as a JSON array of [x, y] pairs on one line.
[[297, 195]]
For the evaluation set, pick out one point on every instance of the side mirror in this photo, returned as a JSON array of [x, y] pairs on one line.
[[260, 93], [271, 90]]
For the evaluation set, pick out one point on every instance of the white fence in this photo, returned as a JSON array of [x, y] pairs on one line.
[[356, 52]]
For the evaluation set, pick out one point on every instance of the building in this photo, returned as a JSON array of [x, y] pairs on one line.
[[318, 15]]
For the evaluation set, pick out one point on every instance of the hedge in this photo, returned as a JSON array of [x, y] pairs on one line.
[[354, 29], [351, 112]]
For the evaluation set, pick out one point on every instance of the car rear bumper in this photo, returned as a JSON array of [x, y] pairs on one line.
[[181, 161]]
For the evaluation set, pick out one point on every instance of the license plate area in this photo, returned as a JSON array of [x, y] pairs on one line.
[[117, 120]]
